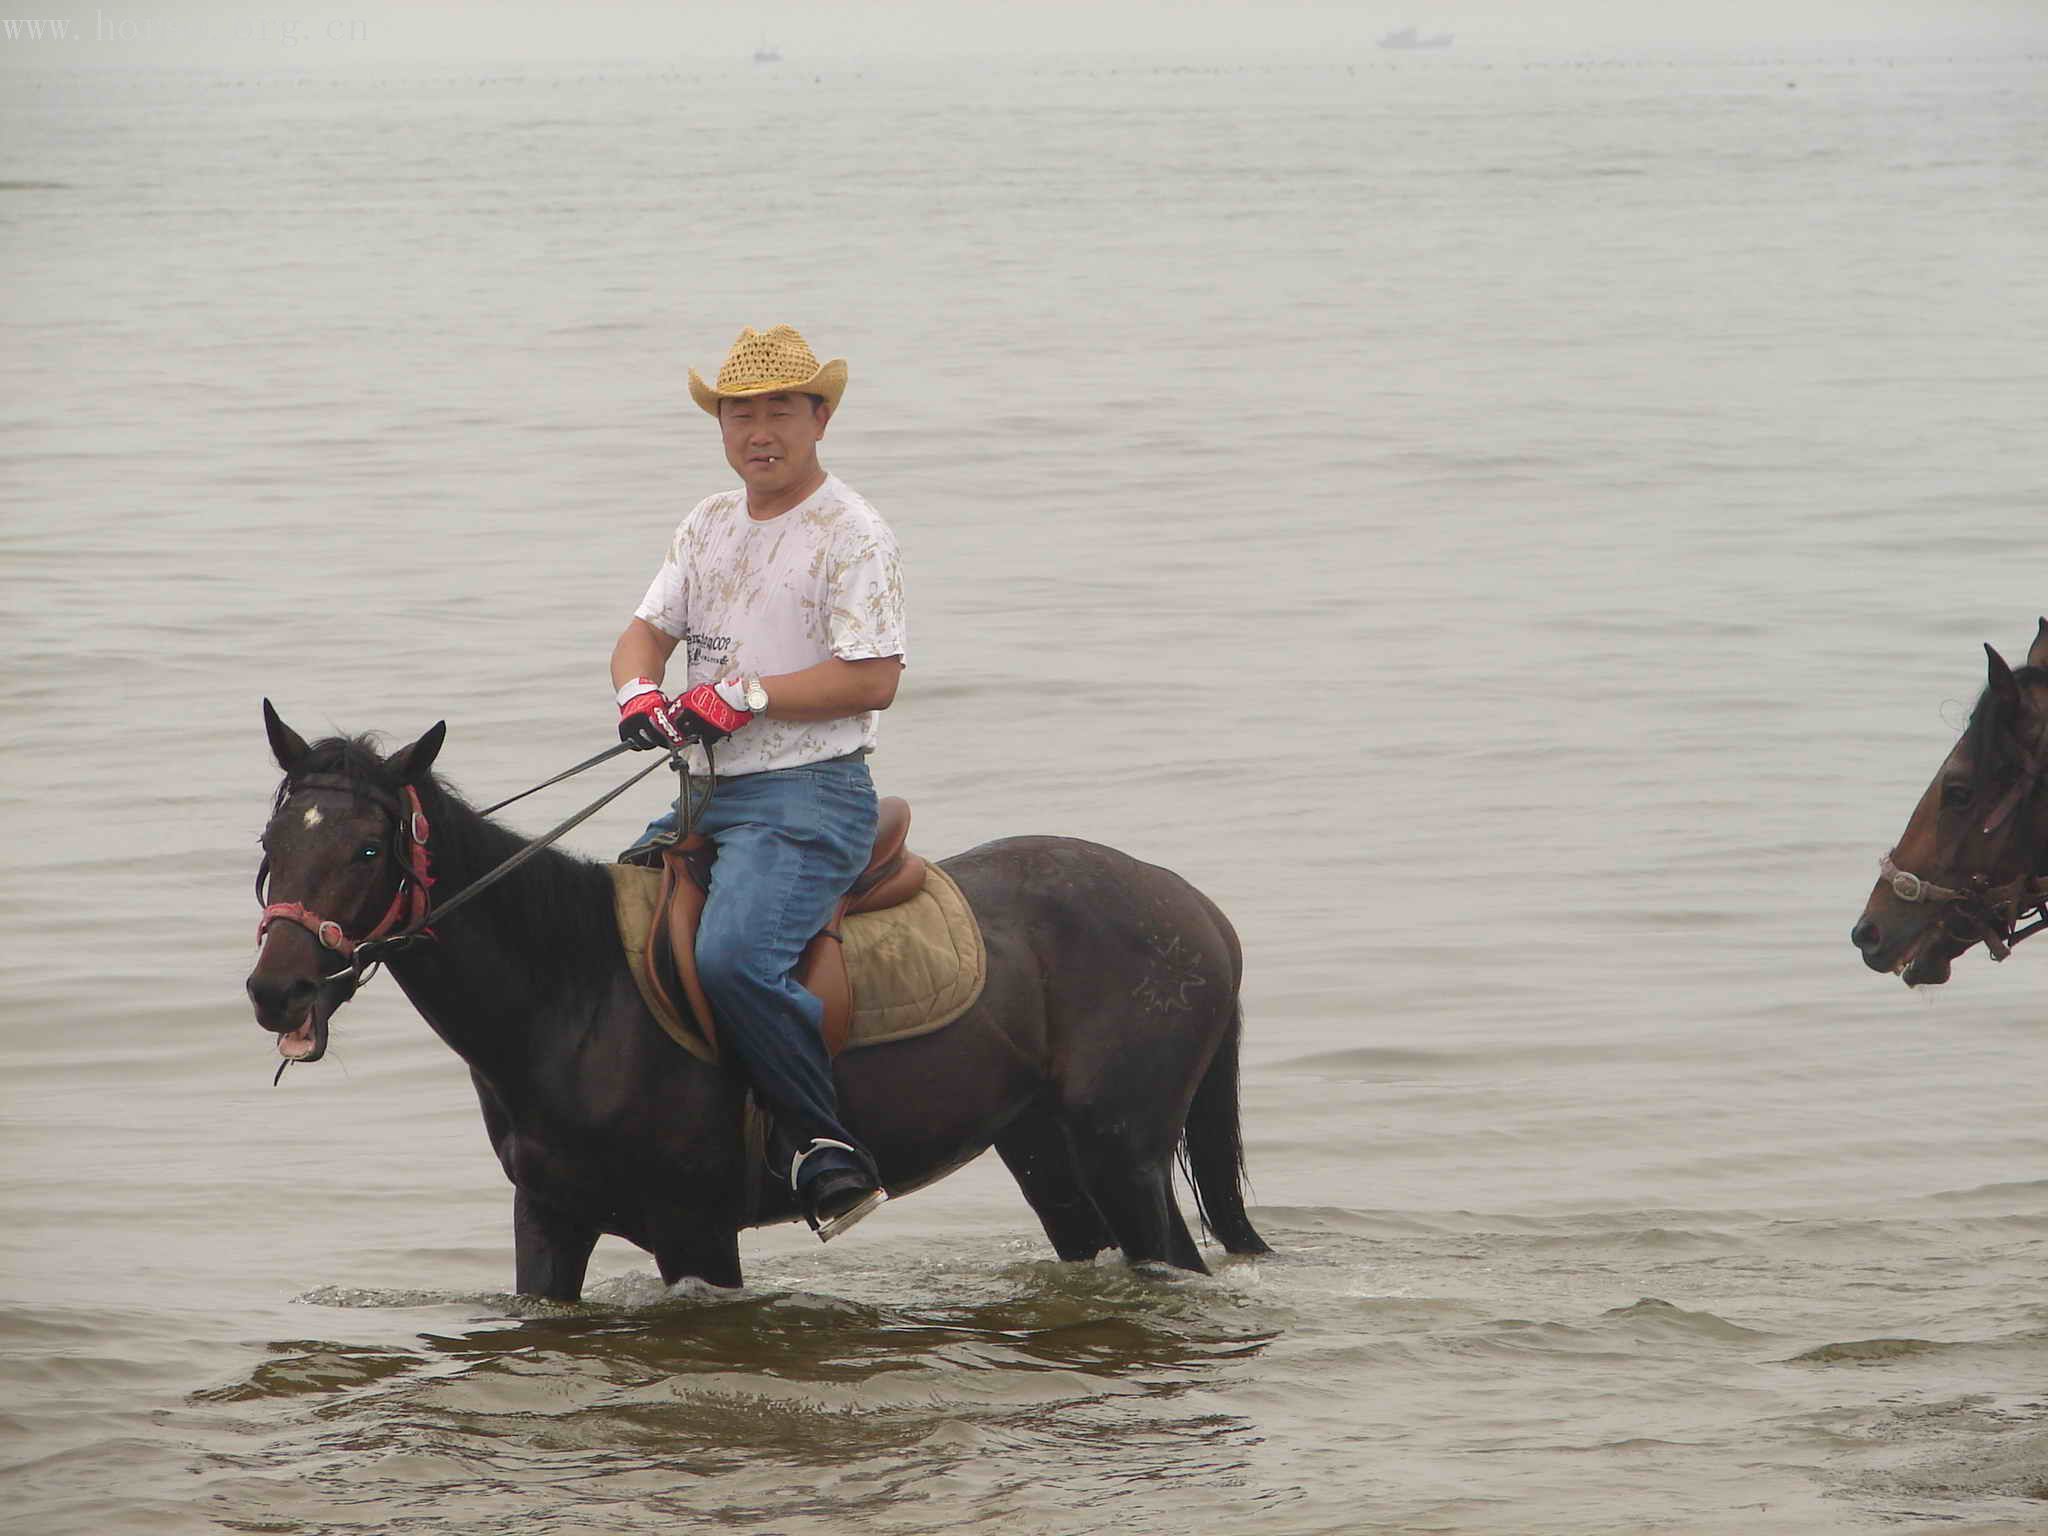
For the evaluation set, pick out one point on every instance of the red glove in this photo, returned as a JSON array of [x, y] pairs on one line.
[[703, 714], [644, 717]]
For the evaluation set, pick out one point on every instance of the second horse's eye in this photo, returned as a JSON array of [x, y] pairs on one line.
[[1955, 794], [369, 851]]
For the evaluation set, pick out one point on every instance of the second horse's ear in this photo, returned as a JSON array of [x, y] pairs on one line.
[[2037, 654], [286, 744], [2003, 686], [413, 763]]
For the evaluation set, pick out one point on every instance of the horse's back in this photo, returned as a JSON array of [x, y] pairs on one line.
[[1064, 869]]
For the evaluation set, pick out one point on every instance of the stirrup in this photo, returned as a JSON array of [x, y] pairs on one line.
[[827, 1230], [873, 1201]]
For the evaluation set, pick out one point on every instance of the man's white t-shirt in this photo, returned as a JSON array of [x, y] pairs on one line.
[[819, 580]]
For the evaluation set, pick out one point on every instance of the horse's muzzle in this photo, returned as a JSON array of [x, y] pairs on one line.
[[280, 1002], [297, 1010], [1921, 960]]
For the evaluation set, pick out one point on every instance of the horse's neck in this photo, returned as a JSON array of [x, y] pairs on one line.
[[498, 972]]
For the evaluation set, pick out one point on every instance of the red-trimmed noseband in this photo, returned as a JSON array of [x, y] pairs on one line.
[[409, 903]]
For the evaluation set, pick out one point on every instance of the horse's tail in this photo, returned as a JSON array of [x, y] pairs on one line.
[[1212, 1148]]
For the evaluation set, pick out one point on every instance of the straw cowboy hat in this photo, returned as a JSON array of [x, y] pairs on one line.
[[768, 363]]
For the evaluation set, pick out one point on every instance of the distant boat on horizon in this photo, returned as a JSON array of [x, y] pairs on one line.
[[1408, 37], [767, 53]]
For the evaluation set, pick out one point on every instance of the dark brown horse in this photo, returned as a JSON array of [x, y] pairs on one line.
[[1106, 1039], [1973, 861]]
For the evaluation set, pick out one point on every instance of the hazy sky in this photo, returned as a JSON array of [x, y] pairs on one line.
[[338, 34]]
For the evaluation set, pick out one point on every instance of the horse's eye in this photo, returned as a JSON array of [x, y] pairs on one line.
[[1955, 793], [369, 851]]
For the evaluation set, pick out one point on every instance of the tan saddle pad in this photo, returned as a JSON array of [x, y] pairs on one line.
[[915, 967]]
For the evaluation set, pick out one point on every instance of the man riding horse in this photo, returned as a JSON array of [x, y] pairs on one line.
[[788, 597]]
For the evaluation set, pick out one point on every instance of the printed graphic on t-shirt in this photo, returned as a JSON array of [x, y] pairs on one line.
[[713, 651]]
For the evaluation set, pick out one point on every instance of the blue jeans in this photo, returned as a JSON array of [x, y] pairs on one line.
[[790, 843]]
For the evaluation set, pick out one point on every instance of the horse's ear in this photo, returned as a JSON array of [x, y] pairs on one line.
[[286, 744], [414, 762], [2037, 654], [2003, 685]]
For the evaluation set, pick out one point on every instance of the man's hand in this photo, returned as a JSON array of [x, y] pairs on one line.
[[644, 717], [711, 711]]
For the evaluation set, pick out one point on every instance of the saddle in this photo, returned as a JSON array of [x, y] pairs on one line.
[[893, 876]]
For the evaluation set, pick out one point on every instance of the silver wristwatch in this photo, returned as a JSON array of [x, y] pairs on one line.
[[757, 696]]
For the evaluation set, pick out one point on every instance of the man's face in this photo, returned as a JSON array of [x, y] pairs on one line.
[[772, 440]]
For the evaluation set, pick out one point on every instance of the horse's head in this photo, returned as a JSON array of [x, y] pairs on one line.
[[343, 862], [1970, 861]]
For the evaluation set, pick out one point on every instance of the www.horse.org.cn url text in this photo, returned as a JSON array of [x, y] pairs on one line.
[[116, 27]]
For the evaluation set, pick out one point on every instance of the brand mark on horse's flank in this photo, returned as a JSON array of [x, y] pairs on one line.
[[312, 817], [1169, 979]]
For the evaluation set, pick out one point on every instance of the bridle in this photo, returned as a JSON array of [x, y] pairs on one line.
[[406, 919], [410, 903], [1992, 912]]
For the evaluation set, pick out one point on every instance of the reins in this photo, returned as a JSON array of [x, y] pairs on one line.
[[491, 877], [411, 902], [1986, 906], [568, 773]]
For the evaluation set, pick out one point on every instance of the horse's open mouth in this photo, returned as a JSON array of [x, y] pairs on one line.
[[309, 1041], [1925, 962]]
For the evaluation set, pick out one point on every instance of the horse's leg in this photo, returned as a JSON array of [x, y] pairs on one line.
[[553, 1250], [707, 1254], [1035, 1150], [1132, 1186], [1181, 1243]]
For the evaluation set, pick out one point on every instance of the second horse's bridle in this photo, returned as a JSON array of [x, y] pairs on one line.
[[1992, 912]]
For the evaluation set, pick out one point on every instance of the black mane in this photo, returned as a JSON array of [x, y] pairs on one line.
[[1990, 740], [559, 905]]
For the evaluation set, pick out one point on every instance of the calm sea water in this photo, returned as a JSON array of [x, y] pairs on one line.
[[1518, 532]]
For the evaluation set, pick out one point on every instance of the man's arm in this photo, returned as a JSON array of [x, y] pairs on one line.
[[831, 690], [642, 651]]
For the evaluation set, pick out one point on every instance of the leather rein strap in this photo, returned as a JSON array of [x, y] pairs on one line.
[[1995, 909], [411, 903]]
